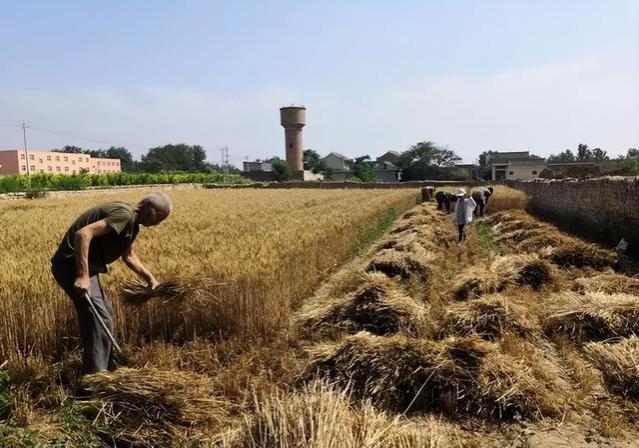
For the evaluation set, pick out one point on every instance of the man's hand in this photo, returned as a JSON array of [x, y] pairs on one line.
[[153, 283], [82, 285]]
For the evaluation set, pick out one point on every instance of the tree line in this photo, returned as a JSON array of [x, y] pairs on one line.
[[423, 160], [167, 158]]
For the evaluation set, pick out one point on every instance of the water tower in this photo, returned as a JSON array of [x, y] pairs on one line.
[[293, 118]]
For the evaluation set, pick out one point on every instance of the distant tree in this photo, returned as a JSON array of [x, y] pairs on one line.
[[563, 157], [174, 157], [314, 163], [363, 169], [598, 154], [280, 168], [583, 153], [633, 153], [425, 160], [71, 150]]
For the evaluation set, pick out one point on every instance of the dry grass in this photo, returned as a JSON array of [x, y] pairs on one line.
[[618, 364]]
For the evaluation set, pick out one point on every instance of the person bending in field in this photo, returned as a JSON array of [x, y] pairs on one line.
[[481, 199], [463, 213], [97, 238], [427, 192], [445, 200]]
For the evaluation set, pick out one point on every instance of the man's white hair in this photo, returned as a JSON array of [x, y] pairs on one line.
[[159, 201]]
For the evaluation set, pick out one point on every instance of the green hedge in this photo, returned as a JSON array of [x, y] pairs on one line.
[[42, 182]]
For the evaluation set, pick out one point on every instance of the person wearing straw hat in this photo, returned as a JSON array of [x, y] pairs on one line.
[[97, 238], [463, 213]]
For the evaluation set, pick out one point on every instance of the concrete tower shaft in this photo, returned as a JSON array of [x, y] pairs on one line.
[[293, 118]]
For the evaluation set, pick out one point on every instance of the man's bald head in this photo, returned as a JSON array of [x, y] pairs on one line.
[[154, 208]]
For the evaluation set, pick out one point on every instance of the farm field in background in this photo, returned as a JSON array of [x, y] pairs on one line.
[[299, 333]]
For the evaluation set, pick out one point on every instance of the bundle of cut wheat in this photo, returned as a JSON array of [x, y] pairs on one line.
[[150, 407], [619, 365], [320, 416], [608, 283], [594, 317], [398, 373], [378, 306], [137, 293], [510, 389], [518, 236], [505, 271], [572, 252], [489, 317], [402, 264]]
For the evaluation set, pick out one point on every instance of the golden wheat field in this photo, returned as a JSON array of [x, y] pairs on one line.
[[310, 320]]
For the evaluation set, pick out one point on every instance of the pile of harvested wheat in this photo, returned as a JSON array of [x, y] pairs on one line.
[[594, 317], [509, 270], [378, 306], [489, 318], [150, 407], [405, 265], [618, 364], [576, 253], [607, 283], [510, 389], [399, 373]]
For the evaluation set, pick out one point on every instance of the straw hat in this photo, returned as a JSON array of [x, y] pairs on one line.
[[461, 192]]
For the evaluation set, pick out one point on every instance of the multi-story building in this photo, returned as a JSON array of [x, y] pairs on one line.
[[15, 161]]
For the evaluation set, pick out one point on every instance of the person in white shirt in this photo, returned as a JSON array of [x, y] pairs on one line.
[[463, 213]]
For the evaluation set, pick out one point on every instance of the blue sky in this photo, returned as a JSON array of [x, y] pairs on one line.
[[374, 75]]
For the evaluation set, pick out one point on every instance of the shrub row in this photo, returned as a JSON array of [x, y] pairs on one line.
[[17, 183]]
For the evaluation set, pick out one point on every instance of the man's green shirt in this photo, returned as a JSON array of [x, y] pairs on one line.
[[105, 249]]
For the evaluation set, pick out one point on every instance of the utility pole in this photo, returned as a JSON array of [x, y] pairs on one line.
[[24, 138], [225, 162]]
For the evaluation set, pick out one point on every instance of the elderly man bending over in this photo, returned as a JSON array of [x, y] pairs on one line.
[[97, 238]]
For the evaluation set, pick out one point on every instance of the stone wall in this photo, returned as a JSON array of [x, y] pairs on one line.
[[604, 209]]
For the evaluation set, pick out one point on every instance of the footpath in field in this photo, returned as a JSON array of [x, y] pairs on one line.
[[525, 337]]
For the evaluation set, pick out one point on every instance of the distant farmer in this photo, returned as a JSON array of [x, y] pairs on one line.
[[463, 213], [97, 238], [427, 192], [444, 200], [481, 199]]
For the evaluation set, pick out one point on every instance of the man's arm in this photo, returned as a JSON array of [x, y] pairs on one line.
[[82, 242], [132, 261]]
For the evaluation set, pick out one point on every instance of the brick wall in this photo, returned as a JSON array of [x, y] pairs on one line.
[[605, 209]]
